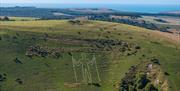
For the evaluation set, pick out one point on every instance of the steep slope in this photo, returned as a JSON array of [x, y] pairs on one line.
[[51, 55]]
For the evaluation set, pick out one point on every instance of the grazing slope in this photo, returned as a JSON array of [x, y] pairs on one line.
[[82, 55]]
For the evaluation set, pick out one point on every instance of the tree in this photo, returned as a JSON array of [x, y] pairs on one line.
[[6, 18]]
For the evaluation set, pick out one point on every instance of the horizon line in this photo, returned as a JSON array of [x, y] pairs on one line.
[[103, 3]]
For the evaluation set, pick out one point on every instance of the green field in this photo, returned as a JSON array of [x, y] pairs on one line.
[[38, 55]]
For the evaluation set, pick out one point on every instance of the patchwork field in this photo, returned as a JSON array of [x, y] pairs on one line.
[[62, 55]]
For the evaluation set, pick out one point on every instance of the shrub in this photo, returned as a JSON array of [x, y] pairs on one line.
[[150, 87], [142, 81], [166, 73]]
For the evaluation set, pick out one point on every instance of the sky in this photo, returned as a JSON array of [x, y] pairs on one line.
[[93, 1]]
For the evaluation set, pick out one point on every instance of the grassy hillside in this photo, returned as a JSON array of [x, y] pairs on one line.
[[53, 55]]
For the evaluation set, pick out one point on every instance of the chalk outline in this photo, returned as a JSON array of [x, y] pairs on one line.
[[85, 68]]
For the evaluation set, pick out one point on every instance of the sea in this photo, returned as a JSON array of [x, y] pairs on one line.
[[120, 7]]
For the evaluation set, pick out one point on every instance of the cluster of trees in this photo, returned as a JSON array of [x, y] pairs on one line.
[[4, 18], [131, 21], [56, 17], [125, 21], [161, 20], [141, 23]]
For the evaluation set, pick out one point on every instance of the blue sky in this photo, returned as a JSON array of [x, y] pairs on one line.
[[95, 1]]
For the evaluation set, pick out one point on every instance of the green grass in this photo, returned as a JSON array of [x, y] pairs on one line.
[[50, 74]]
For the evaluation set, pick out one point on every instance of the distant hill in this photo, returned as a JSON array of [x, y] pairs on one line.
[[49, 12], [171, 12], [92, 10]]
